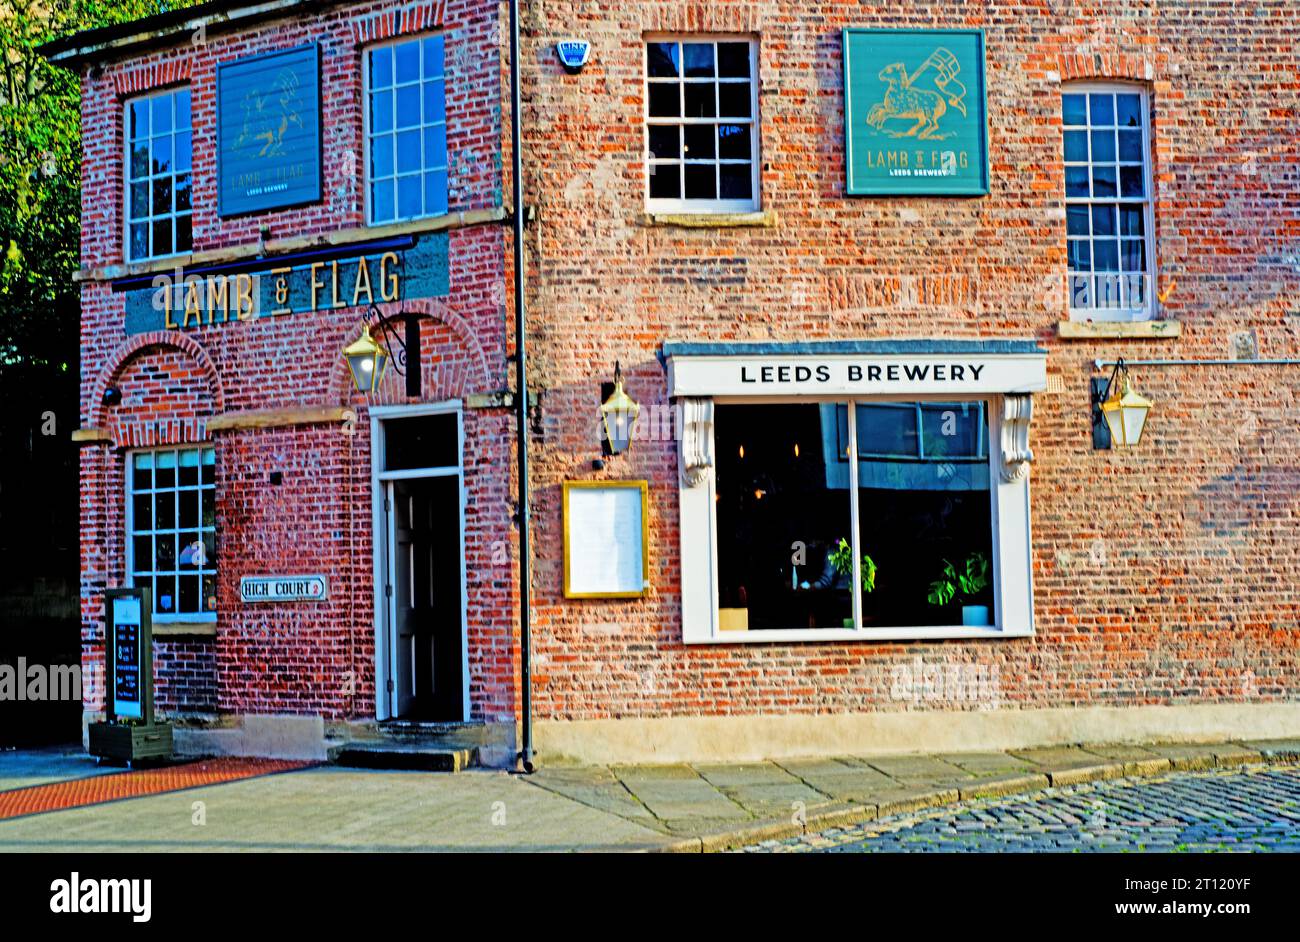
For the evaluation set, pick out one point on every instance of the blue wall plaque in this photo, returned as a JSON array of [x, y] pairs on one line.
[[269, 131]]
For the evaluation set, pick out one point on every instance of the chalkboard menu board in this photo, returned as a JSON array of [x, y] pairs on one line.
[[129, 645]]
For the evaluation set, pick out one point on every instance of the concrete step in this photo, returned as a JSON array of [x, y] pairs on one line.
[[423, 757]]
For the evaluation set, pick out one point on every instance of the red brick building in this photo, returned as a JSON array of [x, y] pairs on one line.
[[1145, 591], [280, 167], [863, 327]]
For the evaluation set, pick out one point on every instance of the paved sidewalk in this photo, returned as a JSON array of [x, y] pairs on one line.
[[676, 807]]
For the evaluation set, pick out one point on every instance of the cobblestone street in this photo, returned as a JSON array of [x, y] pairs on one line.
[[1226, 810]]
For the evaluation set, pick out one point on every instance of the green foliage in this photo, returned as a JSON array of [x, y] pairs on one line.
[[968, 582], [40, 175], [842, 559]]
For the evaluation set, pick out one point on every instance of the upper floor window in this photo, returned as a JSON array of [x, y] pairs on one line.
[[158, 209], [171, 530], [1108, 203], [702, 125], [406, 130]]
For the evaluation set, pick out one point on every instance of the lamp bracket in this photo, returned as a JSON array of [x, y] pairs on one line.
[[388, 332], [1017, 411], [696, 452]]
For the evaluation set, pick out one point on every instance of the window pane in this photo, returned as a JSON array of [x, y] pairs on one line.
[[782, 510], [435, 102], [733, 141], [1080, 255], [733, 100], [162, 237], [164, 595], [1103, 220], [1103, 146], [410, 196], [662, 140], [183, 146], [698, 58], [184, 236], [1074, 110], [700, 141], [408, 106], [1102, 109], [407, 58], [183, 194], [139, 200], [139, 118], [164, 559], [737, 181], [665, 181], [162, 196], [1131, 220], [662, 60], [1076, 146], [435, 192], [209, 594], [381, 156], [160, 155], [381, 112], [209, 465], [1103, 182], [189, 594], [140, 160], [1130, 146], [182, 109], [435, 146], [408, 151], [1134, 255], [382, 205], [434, 52], [428, 441], [701, 182], [142, 512], [165, 469], [140, 240], [141, 553], [142, 471], [1076, 181], [1130, 182], [1106, 254], [927, 524], [733, 60], [664, 100], [187, 505], [1076, 220], [160, 107], [699, 100], [1129, 110], [164, 509], [381, 67]]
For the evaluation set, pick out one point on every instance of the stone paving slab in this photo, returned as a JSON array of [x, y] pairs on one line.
[[1056, 757], [985, 763], [1276, 748], [23, 768], [915, 768], [760, 773]]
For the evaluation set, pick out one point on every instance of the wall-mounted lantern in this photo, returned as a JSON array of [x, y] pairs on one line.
[[618, 413], [367, 360], [367, 357], [1121, 410]]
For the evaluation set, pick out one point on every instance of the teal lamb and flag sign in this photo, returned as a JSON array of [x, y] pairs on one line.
[[268, 131], [915, 118]]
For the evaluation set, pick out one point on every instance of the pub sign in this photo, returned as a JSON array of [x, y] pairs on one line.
[[268, 131], [915, 115]]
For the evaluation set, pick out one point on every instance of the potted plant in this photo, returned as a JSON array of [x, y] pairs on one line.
[[841, 557], [966, 583]]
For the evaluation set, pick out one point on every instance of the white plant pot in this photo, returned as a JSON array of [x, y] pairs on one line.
[[975, 615]]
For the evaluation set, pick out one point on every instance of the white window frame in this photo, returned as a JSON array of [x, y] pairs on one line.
[[1012, 562], [367, 208], [1146, 311], [702, 206], [150, 218], [203, 615]]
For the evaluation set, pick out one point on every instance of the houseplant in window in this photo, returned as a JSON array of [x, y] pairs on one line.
[[966, 583], [841, 558]]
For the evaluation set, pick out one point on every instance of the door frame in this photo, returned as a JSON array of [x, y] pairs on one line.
[[379, 481]]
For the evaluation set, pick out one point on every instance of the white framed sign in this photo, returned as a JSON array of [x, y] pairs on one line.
[[606, 545], [283, 589]]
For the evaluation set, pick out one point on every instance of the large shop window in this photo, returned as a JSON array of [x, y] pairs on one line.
[[792, 527], [406, 130], [702, 124], [1108, 203], [171, 527], [158, 210]]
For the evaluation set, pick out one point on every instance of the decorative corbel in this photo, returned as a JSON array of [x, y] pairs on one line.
[[1017, 409], [695, 450]]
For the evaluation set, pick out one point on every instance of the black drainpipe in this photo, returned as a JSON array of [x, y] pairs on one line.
[[521, 398]]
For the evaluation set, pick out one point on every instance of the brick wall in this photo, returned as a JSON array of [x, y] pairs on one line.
[[1164, 574], [298, 658]]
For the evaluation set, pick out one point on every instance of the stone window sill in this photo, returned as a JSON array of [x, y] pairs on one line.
[[185, 629], [1094, 330], [762, 219]]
